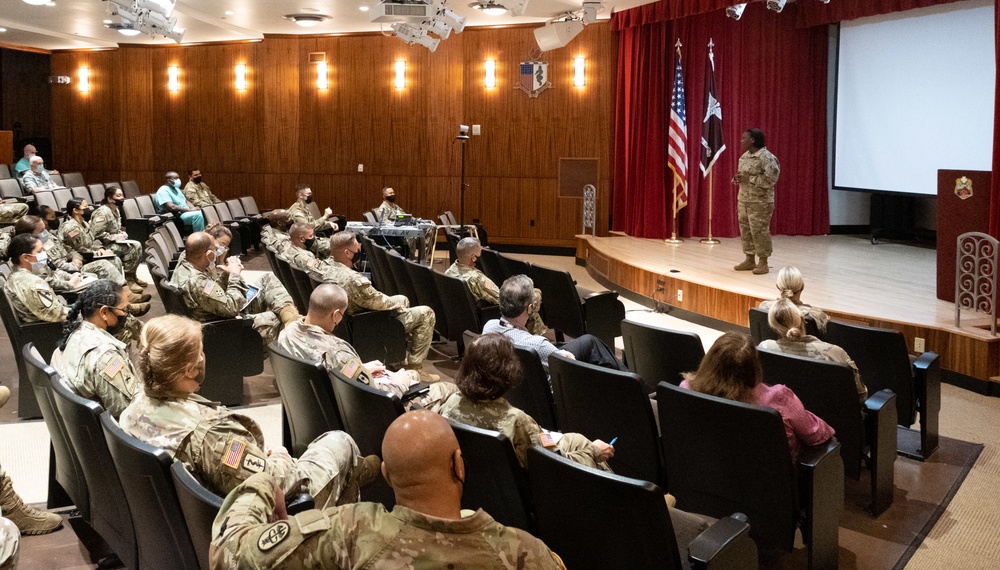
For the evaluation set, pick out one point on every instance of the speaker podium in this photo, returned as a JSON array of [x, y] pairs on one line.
[[963, 205]]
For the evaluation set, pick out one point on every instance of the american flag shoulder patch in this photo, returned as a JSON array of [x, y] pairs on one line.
[[114, 367], [209, 287], [234, 453], [351, 368]]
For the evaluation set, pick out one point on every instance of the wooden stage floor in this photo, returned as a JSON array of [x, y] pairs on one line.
[[886, 285]]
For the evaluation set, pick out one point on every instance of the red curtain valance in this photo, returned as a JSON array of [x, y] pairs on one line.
[[665, 10], [814, 13]]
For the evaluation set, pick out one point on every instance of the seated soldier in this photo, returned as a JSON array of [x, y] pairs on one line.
[[106, 229], [516, 306], [274, 235], [426, 529], [91, 361], [388, 211], [790, 285], [312, 338], [299, 212], [418, 322], [483, 288], [222, 448], [211, 295], [197, 192]]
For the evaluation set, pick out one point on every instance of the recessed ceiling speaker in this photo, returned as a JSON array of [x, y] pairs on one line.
[[557, 34]]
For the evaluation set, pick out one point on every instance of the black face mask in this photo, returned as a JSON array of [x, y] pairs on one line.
[[356, 257], [52, 224], [390, 199], [309, 199], [118, 327], [308, 244], [196, 179]]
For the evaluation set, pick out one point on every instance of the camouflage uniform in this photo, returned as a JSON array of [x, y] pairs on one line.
[[273, 239], [299, 213], [221, 448], [313, 343], [33, 299], [387, 211], [96, 365], [811, 347], [520, 428], [41, 181], [12, 212], [817, 315], [755, 201], [218, 295], [63, 258], [105, 225], [5, 237], [199, 194], [487, 293], [418, 322], [365, 535]]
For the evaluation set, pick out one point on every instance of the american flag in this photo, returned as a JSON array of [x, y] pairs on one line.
[[677, 158], [235, 453]]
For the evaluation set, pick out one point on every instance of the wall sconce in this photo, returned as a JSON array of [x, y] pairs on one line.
[[173, 79], [578, 78], [491, 73], [321, 82], [400, 81], [84, 75], [241, 77]]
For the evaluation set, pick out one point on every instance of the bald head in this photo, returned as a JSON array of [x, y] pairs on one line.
[[300, 232], [327, 298], [29, 150], [423, 463], [197, 244]]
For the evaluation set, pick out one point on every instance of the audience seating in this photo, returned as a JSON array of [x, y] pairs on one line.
[[248, 229], [575, 311], [383, 280], [594, 519], [660, 355], [367, 414], [760, 330], [884, 362], [370, 218], [95, 193], [236, 207], [62, 196], [47, 198], [10, 189], [284, 274], [66, 481], [130, 188], [161, 532], [534, 393], [307, 401], [725, 456], [249, 206], [199, 507], [422, 278], [43, 335], [606, 404], [71, 179], [4, 171], [109, 514], [302, 284], [83, 193], [400, 275], [148, 209], [494, 479], [461, 311], [137, 226], [57, 180], [827, 389], [489, 263]]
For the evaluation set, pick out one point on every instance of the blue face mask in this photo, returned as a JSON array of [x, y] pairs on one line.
[[176, 183]]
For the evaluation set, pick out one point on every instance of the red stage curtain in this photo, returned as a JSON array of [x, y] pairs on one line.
[[995, 191], [665, 10], [769, 74], [816, 13]]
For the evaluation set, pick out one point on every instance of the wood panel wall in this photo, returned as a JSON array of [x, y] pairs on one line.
[[282, 130]]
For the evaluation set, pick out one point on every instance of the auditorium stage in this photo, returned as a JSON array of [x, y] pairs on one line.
[[886, 285]]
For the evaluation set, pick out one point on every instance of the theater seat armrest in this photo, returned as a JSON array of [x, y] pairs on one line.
[[299, 503], [821, 488], [882, 437], [726, 544], [878, 401]]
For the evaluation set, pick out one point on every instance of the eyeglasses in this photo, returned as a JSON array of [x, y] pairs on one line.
[[124, 312]]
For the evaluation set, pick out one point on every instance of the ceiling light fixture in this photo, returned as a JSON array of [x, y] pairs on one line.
[[2, 30], [489, 7], [307, 20], [363, 8], [736, 11], [124, 28], [36, 2], [776, 5]]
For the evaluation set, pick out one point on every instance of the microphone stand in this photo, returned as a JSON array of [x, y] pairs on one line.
[[462, 138]]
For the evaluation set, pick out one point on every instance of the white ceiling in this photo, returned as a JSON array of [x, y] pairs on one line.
[[77, 24]]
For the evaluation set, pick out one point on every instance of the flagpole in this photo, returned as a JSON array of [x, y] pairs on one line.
[[711, 188], [674, 240]]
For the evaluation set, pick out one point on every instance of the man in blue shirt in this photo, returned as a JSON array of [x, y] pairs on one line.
[[170, 198]]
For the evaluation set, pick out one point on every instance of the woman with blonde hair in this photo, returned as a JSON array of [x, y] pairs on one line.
[[790, 285], [731, 369], [786, 320], [222, 448]]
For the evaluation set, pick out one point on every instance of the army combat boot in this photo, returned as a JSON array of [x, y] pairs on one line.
[[761, 268], [29, 520], [747, 264]]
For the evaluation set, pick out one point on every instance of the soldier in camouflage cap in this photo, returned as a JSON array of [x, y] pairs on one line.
[[483, 288], [312, 338], [91, 361], [426, 529], [106, 227], [212, 294], [418, 322], [219, 447]]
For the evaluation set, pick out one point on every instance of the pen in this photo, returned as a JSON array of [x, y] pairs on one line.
[[612, 444]]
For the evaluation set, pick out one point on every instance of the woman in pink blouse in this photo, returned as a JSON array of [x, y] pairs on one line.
[[731, 370]]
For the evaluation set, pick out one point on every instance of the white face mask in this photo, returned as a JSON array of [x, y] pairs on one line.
[[39, 266]]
